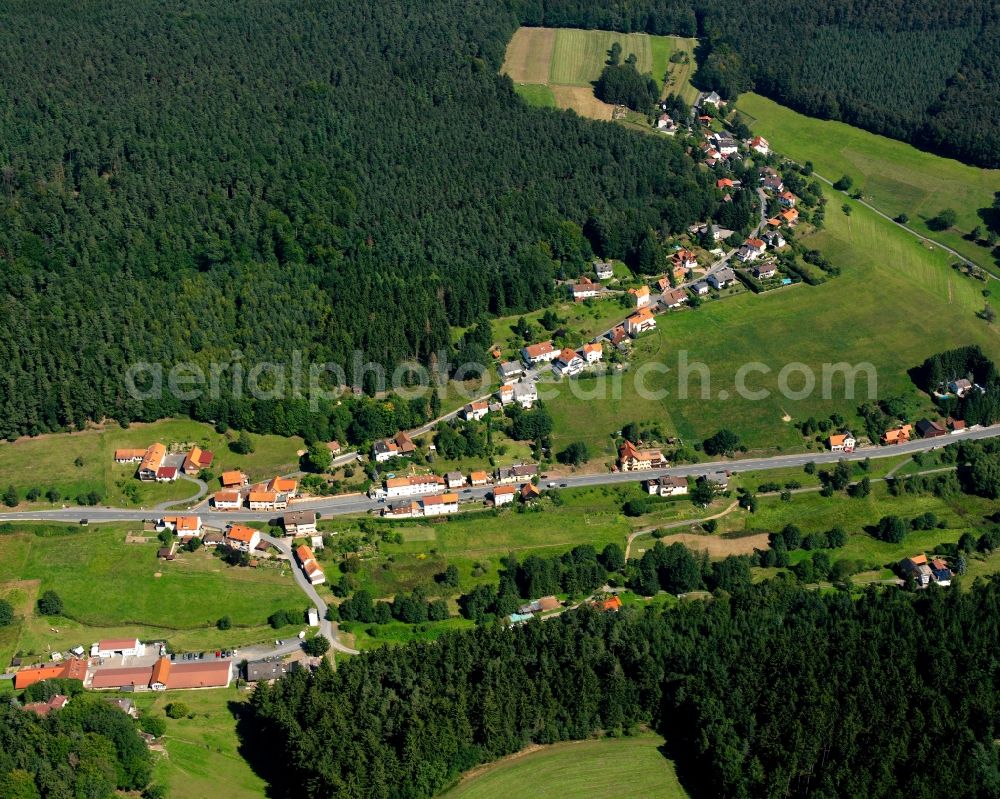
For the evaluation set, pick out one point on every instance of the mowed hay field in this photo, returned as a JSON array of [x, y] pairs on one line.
[[895, 177], [625, 768], [895, 303], [568, 61], [112, 588]]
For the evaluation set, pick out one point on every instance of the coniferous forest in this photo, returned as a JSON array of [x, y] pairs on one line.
[[185, 179], [767, 691], [210, 181]]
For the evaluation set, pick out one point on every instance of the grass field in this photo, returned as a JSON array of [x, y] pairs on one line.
[[895, 177], [110, 588], [50, 460], [895, 303], [202, 753], [558, 67], [626, 768]]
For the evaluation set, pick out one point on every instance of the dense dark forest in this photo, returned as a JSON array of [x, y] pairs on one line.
[[925, 73], [767, 691], [182, 180]]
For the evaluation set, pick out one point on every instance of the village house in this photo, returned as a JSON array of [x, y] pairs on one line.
[[242, 538], [764, 271], [213, 539], [960, 387], [669, 486], [475, 411], [674, 298], [503, 494], [261, 499], [507, 475], [196, 460], [166, 474], [592, 353], [725, 144], [152, 461], [440, 504], [604, 269], [774, 239], [918, 568], [544, 605], [665, 124], [718, 480], [568, 363], [311, 568], [511, 370], [751, 250], [685, 260], [619, 338], [771, 180], [403, 510], [941, 572], [299, 522], [786, 199], [181, 526], [726, 183], [897, 435], [385, 450], [118, 647], [227, 500], [759, 144], [841, 442], [129, 455], [72, 669], [57, 702], [956, 425], [525, 393], [234, 479], [334, 447], [478, 478], [585, 290], [610, 604], [640, 322], [455, 479], [722, 278], [708, 98], [264, 670], [543, 352], [413, 485], [633, 459], [506, 394], [640, 296], [930, 429], [529, 492], [700, 288], [789, 217]]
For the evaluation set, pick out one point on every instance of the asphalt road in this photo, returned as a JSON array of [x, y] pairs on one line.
[[353, 504]]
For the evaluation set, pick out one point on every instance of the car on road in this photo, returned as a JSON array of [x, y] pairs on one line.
[[563, 485], [84, 522], [550, 485]]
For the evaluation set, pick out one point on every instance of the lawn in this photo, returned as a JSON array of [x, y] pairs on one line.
[[203, 752], [895, 303], [111, 588], [536, 94], [558, 66], [626, 768], [814, 513], [75, 463], [895, 177]]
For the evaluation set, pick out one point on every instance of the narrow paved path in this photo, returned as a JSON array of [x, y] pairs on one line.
[[963, 258], [674, 525], [326, 627], [202, 490]]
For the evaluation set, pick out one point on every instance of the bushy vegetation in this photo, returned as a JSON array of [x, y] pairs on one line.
[[89, 748]]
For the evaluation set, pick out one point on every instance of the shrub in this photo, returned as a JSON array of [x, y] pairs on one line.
[[176, 710], [316, 646], [50, 604]]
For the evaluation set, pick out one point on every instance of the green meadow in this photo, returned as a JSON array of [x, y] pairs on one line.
[[112, 588], [202, 749], [896, 302], [626, 768], [895, 177]]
